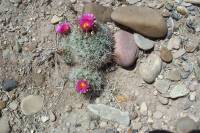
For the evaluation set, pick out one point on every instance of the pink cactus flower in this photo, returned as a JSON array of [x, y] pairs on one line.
[[87, 22], [63, 28], [82, 86]]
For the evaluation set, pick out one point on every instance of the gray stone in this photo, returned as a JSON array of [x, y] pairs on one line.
[[143, 42], [13, 105], [132, 2], [110, 113], [179, 90], [4, 125], [137, 18], [9, 85], [185, 125], [55, 19], [193, 1], [126, 50], [173, 75], [157, 115], [179, 53], [162, 86], [151, 68], [197, 72], [102, 13], [192, 96], [163, 100], [194, 85], [174, 43], [31, 104], [143, 108]]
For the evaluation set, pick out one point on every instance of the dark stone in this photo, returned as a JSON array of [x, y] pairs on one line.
[[9, 85]]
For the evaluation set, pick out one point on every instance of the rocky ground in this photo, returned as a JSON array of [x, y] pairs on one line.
[[161, 91]]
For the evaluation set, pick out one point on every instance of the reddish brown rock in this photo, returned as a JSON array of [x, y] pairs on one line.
[[166, 55]]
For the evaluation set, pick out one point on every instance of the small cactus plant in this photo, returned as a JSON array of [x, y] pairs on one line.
[[85, 80], [93, 50]]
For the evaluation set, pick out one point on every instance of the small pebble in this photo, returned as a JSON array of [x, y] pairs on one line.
[[2, 105], [52, 116], [143, 42], [13, 105], [163, 100], [166, 55], [68, 108], [192, 96], [174, 43], [182, 10], [143, 108], [9, 85], [44, 119], [55, 19]]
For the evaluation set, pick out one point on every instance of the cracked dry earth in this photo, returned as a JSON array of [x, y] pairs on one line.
[[34, 92]]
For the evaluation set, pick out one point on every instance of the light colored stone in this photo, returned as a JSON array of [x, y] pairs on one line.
[[13, 105], [162, 86], [179, 90], [52, 116], [185, 125], [193, 1], [55, 19], [157, 115], [173, 75], [110, 113], [137, 18], [179, 53], [132, 2], [4, 125], [143, 108], [126, 50], [44, 119], [150, 68], [143, 42], [174, 43], [192, 96], [31, 104], [68, 108], [163, 100]]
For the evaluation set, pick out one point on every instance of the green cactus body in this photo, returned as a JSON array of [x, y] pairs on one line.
[[93, 77], [93, 50]]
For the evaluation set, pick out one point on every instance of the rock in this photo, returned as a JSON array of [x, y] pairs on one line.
[[179, 90], [143, 108], [68, 108], [143, 42], [174, 43], [52, 116], [44, 119], [132, 2], [13, 105], [157, 115], [173, 75], [137, 18], [9, 85], [193, 1], [4, 125], [102, 13], [185, 125], [166, 55], [55, 19], [192, 96], [197, 71], [31, 104], [194, 85], [151, 68], [179, 53], [126, 50], [2, 105], [162, 86], [182, 10], [16, 1], [163, 100], [110, 113]]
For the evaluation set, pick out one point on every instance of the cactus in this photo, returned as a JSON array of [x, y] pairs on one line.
[[93, 50], [93, 77]]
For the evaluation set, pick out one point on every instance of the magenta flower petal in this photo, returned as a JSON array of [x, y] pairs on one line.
[[82, 86], [63, 28], [87, 21]]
